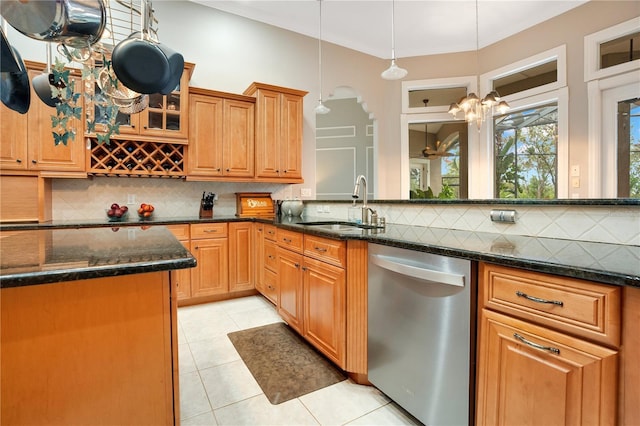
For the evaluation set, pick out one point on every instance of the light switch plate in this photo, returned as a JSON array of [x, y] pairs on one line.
[[575, 170]]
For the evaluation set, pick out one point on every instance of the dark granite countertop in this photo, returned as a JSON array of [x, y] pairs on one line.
[[601, 262], [48, 255]]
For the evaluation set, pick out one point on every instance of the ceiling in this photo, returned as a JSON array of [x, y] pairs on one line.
[[422, 27]]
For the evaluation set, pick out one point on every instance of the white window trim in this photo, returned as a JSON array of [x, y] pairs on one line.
[[470, 82], [603, 170], [482, 186], [430, 114], [559, 54], [592, 44]]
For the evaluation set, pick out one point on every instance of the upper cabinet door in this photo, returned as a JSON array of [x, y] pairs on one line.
[[278, 132], [205, 145], [267, 134], [238, 146], [27, 139], [291, 137]]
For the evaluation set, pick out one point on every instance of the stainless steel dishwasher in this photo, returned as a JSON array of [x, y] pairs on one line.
[[421, 336]]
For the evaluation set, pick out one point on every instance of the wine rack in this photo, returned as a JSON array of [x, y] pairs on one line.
[[136, 158]]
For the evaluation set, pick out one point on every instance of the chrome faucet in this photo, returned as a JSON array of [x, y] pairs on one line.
[[365, 209]]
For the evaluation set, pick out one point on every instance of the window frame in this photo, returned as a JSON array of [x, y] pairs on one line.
[[592, 42], [553, 92]]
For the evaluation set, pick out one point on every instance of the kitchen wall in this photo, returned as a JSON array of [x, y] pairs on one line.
[[231, 52]]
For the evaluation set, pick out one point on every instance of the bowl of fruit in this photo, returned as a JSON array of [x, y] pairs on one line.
[[145, 212], [117, 213]]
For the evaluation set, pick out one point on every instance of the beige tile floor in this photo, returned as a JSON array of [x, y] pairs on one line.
[[216, 388]]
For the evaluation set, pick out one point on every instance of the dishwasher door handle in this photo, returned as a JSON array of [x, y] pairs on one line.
[[396, 265]]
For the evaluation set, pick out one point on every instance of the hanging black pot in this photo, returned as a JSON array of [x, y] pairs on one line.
[[44, 83], [142, 65], [8, 62], [15, 90], [176, 64]]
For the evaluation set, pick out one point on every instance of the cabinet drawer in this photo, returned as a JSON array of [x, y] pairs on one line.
[[290, 240], [271, 286], [325, 249], [270, 232], [270, 255], [578, 307], [181, 232], [208, 230]]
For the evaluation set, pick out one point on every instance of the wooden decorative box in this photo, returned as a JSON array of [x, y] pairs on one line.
[[252, 204]]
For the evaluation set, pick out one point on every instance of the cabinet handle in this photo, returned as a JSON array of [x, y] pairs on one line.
[[304, 268], [228, 170], [539, 300], [145, 127], [271, 257], [33, 161], [286, 240], [297, 265], [271, 232], [218, 169], [133, 126], [197, 247], [211, 230], [18, 160], [320, 249], [537, 346]]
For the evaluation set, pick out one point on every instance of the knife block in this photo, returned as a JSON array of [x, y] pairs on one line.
[[205, 214]]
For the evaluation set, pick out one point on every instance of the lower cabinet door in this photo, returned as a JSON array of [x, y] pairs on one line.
[[290, 288], [182, 279], [211, 275], [535, 376], [324, 308]]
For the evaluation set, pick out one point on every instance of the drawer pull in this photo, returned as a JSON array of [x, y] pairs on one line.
[[538, 300], [210, 230], [537, 346], [271, 257], [286, 240], [320, 249]]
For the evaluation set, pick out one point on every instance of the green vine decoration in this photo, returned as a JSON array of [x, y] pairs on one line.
[[64, 89], [106, 111]]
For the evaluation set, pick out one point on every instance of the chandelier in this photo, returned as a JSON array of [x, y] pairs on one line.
[[475, 109]]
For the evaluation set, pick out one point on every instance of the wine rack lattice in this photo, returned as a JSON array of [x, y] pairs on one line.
[[135, 158]]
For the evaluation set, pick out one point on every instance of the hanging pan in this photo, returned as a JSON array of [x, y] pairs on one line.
[[142, 63], [15, 90], [44, 83], [76, 23], [8, 61]]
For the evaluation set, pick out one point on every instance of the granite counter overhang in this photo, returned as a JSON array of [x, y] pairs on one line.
[[600, 262], [50, 255]]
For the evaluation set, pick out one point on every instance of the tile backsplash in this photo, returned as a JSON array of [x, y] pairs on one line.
[[77, 199]]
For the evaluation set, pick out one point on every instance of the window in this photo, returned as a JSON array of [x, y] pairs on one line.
[[612, 51], [526, 153], [629, 148]]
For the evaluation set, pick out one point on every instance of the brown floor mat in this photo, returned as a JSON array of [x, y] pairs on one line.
[[283, 363]]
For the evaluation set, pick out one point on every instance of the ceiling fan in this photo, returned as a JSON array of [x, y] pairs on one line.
[[441, 149]]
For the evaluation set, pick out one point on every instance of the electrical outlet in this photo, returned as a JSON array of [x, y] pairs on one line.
[[575, 170], [327, 209], [575, 182], [305, 192], [319, 208], [131, 198]]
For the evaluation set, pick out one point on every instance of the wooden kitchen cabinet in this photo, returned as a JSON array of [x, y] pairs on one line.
[[26, 140], [241, 265], [279, 132], [547, 349], [181, 277], [290, 288], [210, 247], [221, 135], [92, 351], [266, 262], [166, 117], [312, 290]]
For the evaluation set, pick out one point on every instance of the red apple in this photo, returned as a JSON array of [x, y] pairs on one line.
[[115, 206], [111, 212]]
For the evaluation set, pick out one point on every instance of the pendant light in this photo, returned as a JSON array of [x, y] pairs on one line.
[[321, 108], [477, 110], [394, 72]]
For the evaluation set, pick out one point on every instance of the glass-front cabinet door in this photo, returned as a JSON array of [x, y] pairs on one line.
[[165, 115]]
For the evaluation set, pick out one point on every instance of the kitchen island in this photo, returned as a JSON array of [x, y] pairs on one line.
[[89, 331]]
